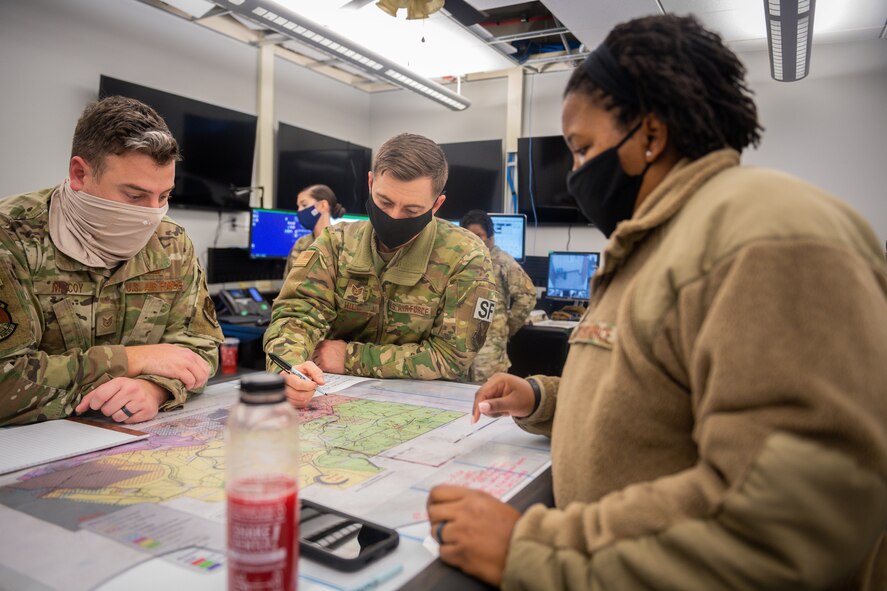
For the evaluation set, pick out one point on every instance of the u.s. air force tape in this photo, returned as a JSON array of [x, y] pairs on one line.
[[483, 309]]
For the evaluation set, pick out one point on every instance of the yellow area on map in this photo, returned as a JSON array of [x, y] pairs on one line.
[[340, 436]]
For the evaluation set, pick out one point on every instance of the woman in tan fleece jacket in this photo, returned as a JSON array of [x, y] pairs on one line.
[[721, 422]]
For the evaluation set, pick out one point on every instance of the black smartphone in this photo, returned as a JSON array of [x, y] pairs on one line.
[[341, 541]]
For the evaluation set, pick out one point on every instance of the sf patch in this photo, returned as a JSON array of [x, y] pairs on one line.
[[7, 326], [483, 309]]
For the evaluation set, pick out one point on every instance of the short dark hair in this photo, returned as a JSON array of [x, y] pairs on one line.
[[687, 77], [479, 217], [409, 157], [324, 193], [115, 125]]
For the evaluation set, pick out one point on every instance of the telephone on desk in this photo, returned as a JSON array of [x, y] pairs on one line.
[[245, 306]]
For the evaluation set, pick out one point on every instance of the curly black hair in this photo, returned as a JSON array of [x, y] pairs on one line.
[[479, 217], [687, 77]]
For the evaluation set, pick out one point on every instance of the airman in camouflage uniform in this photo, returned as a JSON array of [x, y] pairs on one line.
[[424, 316], [64, 326], [518, 299], [103, 305]]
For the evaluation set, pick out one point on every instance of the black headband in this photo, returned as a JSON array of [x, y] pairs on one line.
[[606, 73]]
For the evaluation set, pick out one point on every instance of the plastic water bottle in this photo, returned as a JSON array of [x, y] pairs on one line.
[[262, 459]]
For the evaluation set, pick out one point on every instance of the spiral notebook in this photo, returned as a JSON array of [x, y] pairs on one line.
[[31, 445]]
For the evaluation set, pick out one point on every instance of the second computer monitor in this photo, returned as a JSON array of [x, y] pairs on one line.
[[510, 231], [569, 274], [273, 232]]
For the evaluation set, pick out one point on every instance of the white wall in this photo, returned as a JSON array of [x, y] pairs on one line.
[[400, 111], [52, 53], [829, 129]]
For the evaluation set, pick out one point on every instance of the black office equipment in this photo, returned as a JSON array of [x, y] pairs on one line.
[[306, 158], [272, 233], [475, 178], [217, 146], [231, 265], [547, 177], [537, 268]]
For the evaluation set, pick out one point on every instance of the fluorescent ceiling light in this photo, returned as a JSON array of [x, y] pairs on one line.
[[447, 50], [789, 37], [743, 20], [280, 19], [196, 8]]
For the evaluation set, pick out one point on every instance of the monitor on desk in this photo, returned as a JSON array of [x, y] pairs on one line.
[[569, 274], [272, 233], [510, 231]]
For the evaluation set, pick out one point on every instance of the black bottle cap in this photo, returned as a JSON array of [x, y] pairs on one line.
[[262, 388]]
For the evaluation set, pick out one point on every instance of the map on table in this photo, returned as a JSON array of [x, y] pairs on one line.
[[374, 450]]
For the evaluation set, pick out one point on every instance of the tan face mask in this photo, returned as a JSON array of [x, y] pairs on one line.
[[99, 232]]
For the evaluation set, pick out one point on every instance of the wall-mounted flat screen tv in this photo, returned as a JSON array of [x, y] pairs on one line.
[[217, 146], [306, 158], [542, 190], [475, 178]]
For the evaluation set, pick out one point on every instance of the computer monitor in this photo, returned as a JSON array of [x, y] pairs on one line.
[[510, 232], [272, 233], [569, 274]]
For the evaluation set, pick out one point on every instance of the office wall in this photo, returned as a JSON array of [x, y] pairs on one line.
[[52, 53]]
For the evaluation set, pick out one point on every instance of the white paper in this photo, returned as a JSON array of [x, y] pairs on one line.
[[334, 382], [32, 445]]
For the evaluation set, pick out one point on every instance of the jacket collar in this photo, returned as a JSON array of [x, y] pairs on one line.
[[151, 258], [678, 186], [409, 263]]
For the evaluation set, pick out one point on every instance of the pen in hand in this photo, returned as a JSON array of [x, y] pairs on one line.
[[290, 369]]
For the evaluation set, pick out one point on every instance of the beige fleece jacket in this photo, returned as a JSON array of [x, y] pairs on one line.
[[721, 422]]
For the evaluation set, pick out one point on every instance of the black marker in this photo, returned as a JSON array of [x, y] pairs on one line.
[[290, 369]]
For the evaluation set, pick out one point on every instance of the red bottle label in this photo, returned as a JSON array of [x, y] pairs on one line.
[[263, 535]]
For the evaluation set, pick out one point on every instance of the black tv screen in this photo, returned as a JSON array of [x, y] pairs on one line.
[[543, 181], [217, 146], [475, 179], [306, 158]]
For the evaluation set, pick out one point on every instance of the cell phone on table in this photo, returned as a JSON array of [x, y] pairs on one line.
[[341, 541]]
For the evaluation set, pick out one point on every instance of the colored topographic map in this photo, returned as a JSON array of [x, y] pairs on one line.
[[184, 457]]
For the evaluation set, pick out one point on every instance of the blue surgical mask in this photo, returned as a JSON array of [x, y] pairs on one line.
[[308, 217]]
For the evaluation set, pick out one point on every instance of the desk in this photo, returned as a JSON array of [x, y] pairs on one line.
[[141, 516], [538, 350]]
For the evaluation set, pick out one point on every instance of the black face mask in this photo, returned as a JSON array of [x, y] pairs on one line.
[[392, 232], [603, 190]]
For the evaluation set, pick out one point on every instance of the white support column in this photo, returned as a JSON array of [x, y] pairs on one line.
[[265, 124], [513, 121]]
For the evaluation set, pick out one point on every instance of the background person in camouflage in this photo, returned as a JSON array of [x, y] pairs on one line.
[[404, 295], [104, 305], [518, 297], [317, 204]]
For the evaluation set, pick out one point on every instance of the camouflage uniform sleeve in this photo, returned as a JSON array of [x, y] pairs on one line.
[[459, 331], [192, 324], [35, 386], [300, 246], [523, 296], [306, 307]]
